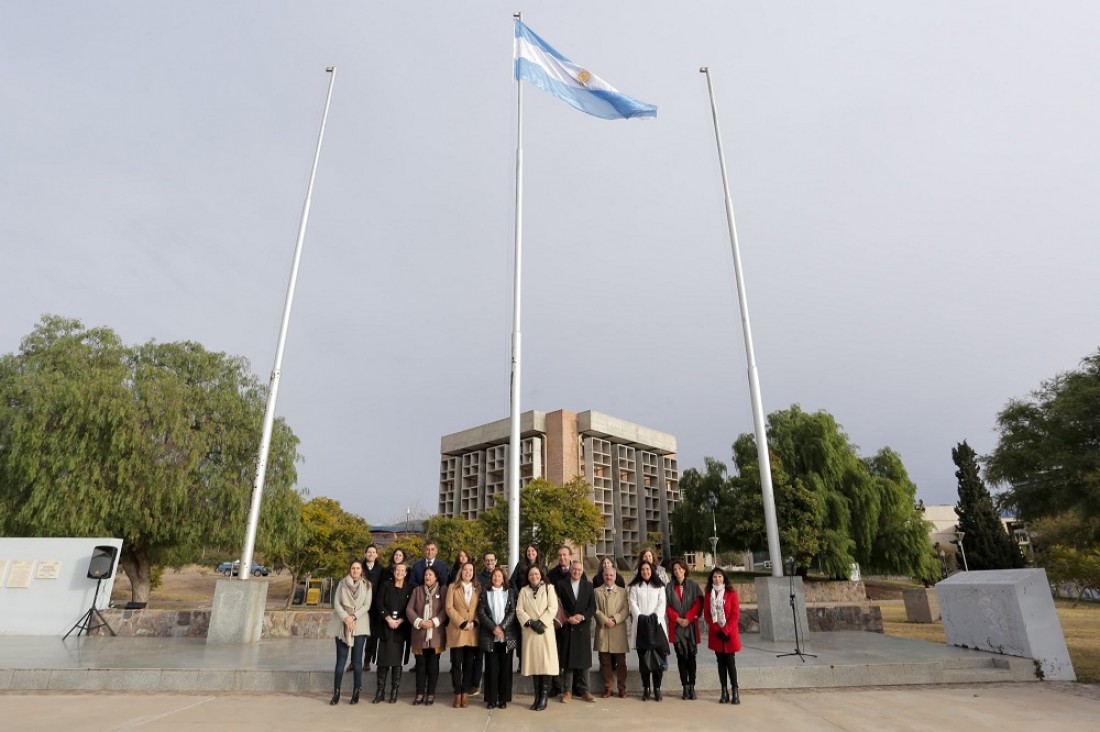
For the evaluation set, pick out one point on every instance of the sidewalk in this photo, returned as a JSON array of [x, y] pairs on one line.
[[1064, 706]]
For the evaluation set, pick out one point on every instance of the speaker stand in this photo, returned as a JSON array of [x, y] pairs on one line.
[[802, 655], [88, 621]]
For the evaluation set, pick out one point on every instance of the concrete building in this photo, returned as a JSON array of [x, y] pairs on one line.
[[631, 468]]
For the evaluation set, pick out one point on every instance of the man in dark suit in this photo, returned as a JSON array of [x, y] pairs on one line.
[[429, 560], [575, 595], [372, 570], [558, 573]]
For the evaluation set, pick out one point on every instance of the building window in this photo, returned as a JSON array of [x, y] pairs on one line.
[[689, 558]]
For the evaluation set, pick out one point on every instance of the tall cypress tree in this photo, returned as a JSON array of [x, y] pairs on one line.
[[986, 543]]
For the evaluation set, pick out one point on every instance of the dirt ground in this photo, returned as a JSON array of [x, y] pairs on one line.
[[193, 587]]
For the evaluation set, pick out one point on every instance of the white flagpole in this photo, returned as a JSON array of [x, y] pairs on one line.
[[770, 522], [514, 439], [245, 570]]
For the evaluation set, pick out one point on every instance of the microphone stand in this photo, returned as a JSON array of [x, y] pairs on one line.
[[794, 617]]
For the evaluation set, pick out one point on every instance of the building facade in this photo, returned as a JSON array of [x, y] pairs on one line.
[[631, 470]]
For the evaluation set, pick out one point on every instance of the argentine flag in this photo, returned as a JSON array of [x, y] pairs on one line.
[[540, 64]]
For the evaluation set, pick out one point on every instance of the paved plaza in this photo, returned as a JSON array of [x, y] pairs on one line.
[[1063, 706]]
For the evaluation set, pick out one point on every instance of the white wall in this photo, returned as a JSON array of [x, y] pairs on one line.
[[50, 606]]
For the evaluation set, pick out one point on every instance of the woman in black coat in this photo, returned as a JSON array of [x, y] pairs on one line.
[[390, 602], [496, 614]]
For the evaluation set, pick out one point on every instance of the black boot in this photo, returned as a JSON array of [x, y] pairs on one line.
[[380, 691], [537, 683], [725, 697], [645, 693], [691, 692], [736, 697], [544, 697], [657, 696], [335, 695], [355, 695], [395, 683]]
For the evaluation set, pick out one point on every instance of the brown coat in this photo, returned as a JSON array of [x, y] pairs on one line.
[[459, 612], [540, 652], [614, 604], [438, 616]]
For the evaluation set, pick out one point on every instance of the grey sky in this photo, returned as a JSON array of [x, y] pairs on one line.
[[915, 187]]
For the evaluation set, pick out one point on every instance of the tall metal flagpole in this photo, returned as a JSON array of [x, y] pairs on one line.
[[245, 570], [770, 522], [514, 448]]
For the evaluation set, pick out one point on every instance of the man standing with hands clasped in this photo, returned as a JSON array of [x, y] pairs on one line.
[[575, 637]]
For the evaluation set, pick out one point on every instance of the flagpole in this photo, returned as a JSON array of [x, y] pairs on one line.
[[770, 522], [514, 438], [245, 570]]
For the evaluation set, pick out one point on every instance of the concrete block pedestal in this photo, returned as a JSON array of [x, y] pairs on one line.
[[1007, 611], [237, 615], [921, 605], [773, 598]]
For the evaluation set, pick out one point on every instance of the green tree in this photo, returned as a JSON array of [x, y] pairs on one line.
[[986, 543], [700, 494], [411, 544], [548, 515], [154, 444], [331, 539], [901, 543], [453, 533], [1048, 453]]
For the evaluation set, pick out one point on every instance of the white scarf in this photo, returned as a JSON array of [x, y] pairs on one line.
[[427, 614], [497, 601], [468, 591], [718, 607]]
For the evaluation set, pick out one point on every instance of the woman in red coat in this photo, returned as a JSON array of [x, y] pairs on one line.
[[722, 610]]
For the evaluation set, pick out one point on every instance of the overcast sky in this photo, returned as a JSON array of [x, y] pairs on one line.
[[915, 185]]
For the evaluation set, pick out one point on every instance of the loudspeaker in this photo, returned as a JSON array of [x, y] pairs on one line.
[[102, 565]]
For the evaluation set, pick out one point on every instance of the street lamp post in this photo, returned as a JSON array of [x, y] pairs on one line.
[[962, 550]]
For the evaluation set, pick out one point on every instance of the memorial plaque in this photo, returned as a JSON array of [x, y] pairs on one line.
[[21, 570], [48, 569]]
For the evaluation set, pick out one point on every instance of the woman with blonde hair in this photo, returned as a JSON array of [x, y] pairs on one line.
[[462, 636], [350, 625]]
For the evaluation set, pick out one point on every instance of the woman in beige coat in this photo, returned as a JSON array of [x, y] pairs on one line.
[[612, 641], [535, 610], [462, 632], [350, 625]]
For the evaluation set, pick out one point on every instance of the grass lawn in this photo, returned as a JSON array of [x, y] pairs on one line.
[[1080, 626]]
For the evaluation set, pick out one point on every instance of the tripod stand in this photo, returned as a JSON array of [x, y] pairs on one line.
[[794, 617], [87, 622]]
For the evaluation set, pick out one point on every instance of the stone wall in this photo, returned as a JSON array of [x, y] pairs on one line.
[[816, 592], [314, 623]]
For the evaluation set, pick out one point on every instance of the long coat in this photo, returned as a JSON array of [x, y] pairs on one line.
[[614, 604], [733, 615], [343, 605], [575, 641], [375, 577], [540, 652], [459, 612], [687, 608], [438, 614], [487, 624], [392, 601]]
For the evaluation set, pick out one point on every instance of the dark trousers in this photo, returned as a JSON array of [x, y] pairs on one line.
[[656, 676], [427, 671], [498, 674], [727, 666], [575, 679], [371, 649], [479, 666], [342, 650], [612, 669], [462, 669], [686, 666]]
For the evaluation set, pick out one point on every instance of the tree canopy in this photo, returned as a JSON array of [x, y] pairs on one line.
[[986, 543], [832, 506], [1047, 457], [155, 444], [549, 515]]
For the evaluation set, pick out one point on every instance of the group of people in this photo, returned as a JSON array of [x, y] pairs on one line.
[[553, 619]]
